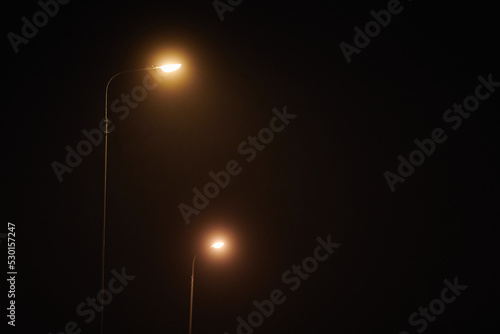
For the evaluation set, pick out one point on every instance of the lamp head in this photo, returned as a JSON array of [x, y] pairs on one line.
[[218, 245], [169, 67]]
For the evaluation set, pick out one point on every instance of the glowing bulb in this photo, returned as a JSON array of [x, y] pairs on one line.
[[170, 67], [218, 245]]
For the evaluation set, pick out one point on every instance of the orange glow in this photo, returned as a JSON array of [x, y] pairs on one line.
[[218, 245], [170, 54], [215, 232]]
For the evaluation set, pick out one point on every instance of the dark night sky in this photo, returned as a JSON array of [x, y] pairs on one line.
[[323, 175]]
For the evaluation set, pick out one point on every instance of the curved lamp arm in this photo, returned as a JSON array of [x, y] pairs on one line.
[[107, 86]]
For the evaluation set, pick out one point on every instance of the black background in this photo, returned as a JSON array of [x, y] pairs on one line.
[[322, 175]]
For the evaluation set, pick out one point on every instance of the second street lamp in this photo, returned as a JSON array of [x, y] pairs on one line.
[[164, 68], [215, 245]]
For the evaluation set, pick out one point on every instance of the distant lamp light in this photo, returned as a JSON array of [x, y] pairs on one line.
[[218, 245]]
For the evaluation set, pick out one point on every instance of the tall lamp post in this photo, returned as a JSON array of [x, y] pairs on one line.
[[216, 245], [164, 68]]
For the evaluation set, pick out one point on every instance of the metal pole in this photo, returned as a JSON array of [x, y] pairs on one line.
[[191, 304]]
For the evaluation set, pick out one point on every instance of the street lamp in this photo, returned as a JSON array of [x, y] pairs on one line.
[[215, 245], [164, 68]]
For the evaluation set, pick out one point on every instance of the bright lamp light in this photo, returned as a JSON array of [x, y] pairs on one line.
[[170, 67], [218, 245]]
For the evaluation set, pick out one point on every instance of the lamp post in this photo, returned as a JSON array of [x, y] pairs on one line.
[[216, 245], [164, 68]]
